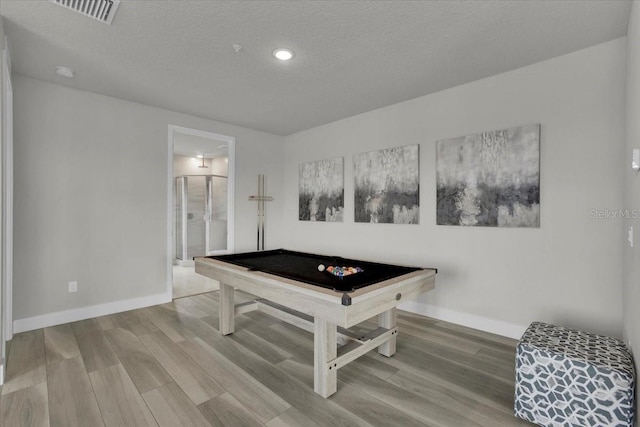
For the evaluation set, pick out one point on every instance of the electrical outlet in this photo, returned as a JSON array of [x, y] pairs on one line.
[[73, 286]]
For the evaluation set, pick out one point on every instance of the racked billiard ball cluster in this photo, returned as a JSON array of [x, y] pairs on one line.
[[343, 271]]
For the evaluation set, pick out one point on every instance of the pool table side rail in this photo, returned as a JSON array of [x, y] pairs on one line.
[[317, 301], [384, 295]]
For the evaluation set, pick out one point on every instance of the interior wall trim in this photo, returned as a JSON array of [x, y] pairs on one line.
[[498, 327], [60, 317]]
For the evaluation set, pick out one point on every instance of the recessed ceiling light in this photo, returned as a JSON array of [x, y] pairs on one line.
[[200, 156], [283, 54], [63, 71]]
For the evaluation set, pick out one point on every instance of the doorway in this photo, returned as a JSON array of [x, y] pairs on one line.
[[201, 168]]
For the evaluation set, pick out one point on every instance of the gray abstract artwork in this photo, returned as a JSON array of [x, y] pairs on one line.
[[321, 196], [490, 178], [387, 186]]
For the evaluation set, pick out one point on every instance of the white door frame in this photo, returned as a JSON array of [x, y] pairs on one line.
[[7, 207], [231, 142]]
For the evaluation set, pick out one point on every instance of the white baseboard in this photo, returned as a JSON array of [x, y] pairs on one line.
[[497, 327], [60, 317]]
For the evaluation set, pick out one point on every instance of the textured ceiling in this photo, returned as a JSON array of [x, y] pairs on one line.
[[351, 56]]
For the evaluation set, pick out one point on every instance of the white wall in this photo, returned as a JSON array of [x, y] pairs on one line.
[[569, 270], [91, 176], [631, 291]]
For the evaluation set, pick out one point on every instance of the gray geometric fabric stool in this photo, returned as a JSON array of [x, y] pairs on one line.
[[566, 377]]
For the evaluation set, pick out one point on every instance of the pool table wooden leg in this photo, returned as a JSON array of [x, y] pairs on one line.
[[227, 309], [387, 320], [325, 349]]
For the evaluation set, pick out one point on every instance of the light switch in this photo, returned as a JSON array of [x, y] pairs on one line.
[[635, 159], [630, 236]]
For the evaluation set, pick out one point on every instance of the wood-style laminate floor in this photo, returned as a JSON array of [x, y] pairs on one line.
[[168, 366], [187, 283]]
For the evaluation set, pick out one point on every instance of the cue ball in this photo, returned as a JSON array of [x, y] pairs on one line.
[[321, 267]]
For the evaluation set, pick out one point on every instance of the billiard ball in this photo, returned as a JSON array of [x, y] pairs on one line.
[[321, 267]]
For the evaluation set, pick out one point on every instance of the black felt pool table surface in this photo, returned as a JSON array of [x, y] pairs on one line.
[[303, 267]]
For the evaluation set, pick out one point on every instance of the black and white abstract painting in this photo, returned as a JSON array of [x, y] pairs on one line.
[[387, 186], [322, 190], [490, 178]]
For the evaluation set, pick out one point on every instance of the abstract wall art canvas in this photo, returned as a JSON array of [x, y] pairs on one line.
[[321, 196], [387, 186], [490, 178]]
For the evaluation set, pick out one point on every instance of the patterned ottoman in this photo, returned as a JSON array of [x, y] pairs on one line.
[[566, 377]]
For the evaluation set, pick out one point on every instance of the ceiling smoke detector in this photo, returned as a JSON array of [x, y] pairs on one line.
[[64, 71], [100, 10]]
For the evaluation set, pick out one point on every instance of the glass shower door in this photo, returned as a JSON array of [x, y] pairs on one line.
[[201, 216], [196, 208], [216, 214], [179, 213]]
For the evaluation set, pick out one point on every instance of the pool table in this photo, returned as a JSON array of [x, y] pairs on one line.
[[290, 286]]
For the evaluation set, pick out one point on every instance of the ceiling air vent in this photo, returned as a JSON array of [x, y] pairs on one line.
[[100, 10]]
